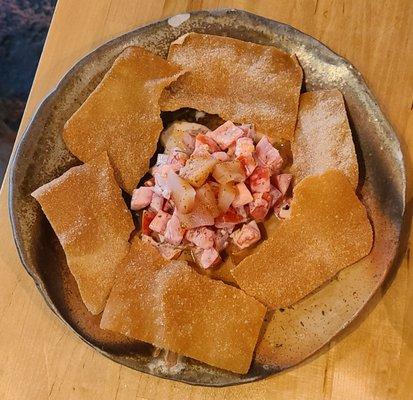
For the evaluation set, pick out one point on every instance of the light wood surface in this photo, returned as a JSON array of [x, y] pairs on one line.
[[373, 359]]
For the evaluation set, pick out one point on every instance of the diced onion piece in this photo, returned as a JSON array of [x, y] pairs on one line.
[[243, 196], [197, 170], [226, 196], [199, 216], [183, 194], [181, 134], [207, 196], [229, 171]]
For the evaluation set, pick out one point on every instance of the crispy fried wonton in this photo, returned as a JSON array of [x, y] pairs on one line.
[[327, 231], [240, 81], [86, 210], [174, 307], [323, 138], [122, 115]]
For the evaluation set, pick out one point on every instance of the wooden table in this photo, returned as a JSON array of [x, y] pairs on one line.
[[373, 359]]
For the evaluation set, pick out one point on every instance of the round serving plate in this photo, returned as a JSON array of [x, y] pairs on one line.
[[290, 335]]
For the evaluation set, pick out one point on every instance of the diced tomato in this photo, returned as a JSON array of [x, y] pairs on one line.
[[249, 164], [147, 217], [230, 216], [260, 180]]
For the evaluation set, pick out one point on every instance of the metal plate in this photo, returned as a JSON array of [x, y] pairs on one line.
[[292, 334]]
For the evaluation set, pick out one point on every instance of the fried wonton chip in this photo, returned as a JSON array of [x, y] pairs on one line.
[[122, 115], [86, 210], [240, 81], [323, 138], [327, 231], [176, 308]]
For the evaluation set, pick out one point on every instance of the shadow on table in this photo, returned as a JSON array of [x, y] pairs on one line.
[[23, 28]]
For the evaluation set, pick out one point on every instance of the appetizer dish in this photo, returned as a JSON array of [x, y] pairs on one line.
[[210, 198], [212, 191]]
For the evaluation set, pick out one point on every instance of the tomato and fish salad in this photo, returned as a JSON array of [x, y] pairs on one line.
[[210, 188]]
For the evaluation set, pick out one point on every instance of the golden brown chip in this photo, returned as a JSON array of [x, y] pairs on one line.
[[86, 210], [240, 81], [176, 308], [122, 115], [323, 138], [328, 230]]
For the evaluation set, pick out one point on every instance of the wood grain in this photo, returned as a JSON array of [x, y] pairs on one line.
[[373, 359]]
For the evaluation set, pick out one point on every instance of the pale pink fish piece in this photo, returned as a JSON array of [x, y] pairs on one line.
[[161, 184], [221, 239], [247, 235], [276, 196], [283, 209], [220, 156], [177, 159], [249, 164], [189, 141], [199, 216], [141, 198], [161, 159], [160, 221], [207, 258], [244, 146], [243, 195], [283, 182], [260, 180], [226, 134], [174, 232], [268, 155], [201, 237], [260, 206], [157, 202], [168, 206], [248, 130], [202, 139]]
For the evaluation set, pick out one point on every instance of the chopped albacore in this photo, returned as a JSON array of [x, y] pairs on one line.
[[209, 189]]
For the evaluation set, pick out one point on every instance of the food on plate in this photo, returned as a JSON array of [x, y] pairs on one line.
[[122, 115], [220, 232], [323, 137], [327, 231], [86, 210], [240, 81], [174, 307], [199, 202]]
